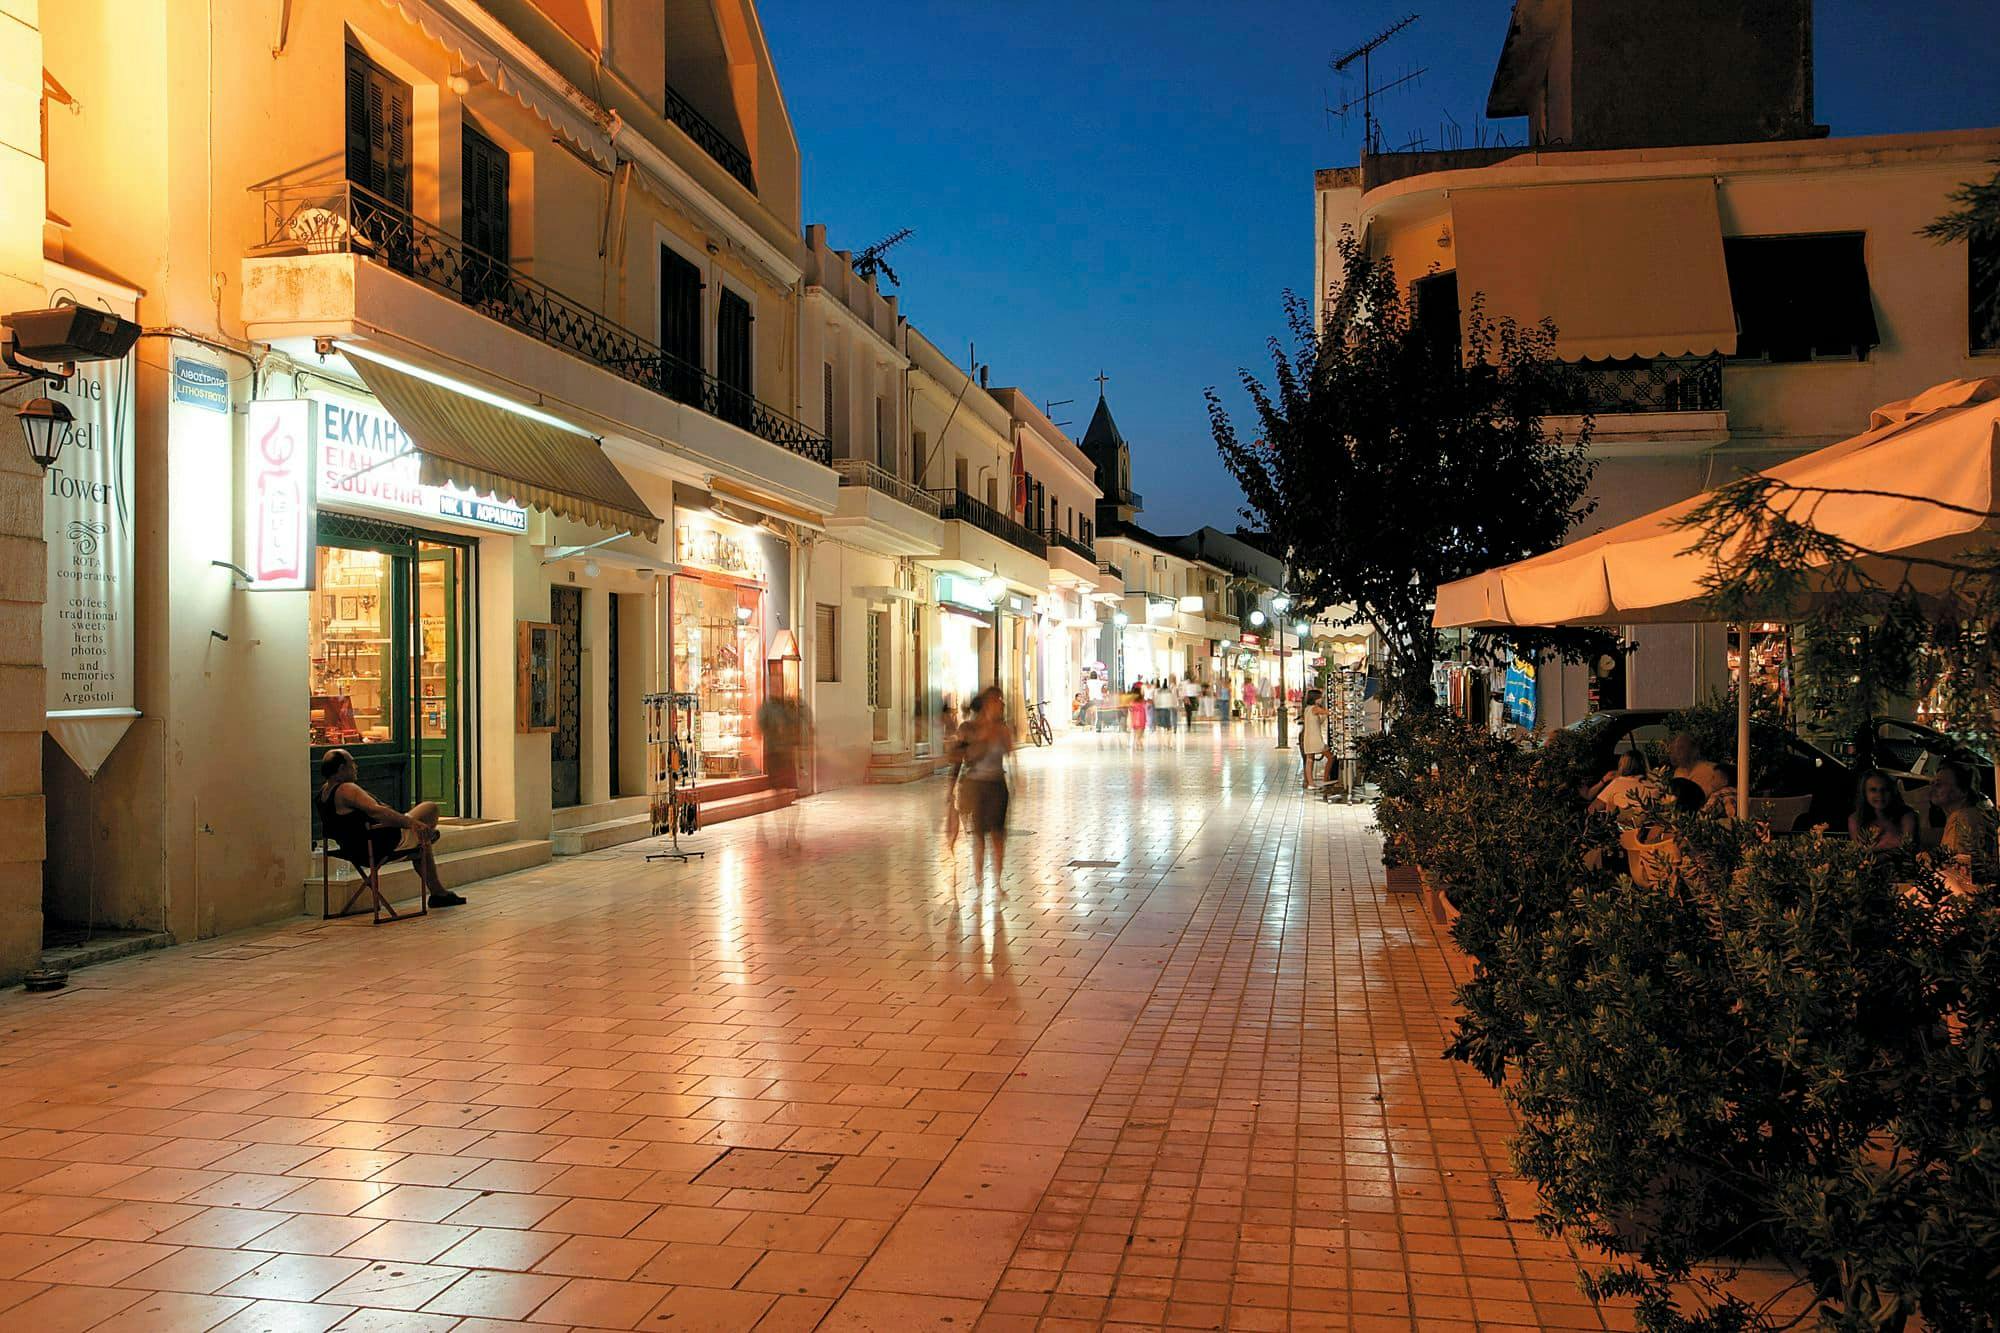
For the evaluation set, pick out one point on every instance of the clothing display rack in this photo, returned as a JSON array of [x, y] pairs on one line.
[[673, 763]]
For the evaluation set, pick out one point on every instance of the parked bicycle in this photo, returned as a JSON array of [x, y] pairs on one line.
[[1039, 730]]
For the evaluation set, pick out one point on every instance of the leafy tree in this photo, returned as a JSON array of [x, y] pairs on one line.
[[1389, 459], [1976, 223]]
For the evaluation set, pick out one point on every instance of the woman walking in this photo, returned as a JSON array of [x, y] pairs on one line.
[[988, 742]]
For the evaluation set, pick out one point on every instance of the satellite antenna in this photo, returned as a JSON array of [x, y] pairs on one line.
[[1371, 128], [870, 262]]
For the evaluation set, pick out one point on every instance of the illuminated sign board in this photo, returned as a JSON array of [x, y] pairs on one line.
[[276, 497], [704, 545], [363, 459]]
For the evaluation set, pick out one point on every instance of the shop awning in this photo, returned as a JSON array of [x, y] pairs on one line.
[[1625, 269], [481, 447]]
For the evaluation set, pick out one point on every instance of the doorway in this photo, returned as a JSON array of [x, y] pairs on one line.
[[566, 745], [390, 672]]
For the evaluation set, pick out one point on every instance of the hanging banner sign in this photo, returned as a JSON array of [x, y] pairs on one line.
[[279, 519], [1518, 693], [88, 520]]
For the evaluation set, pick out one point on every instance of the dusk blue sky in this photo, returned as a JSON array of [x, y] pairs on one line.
[[1128, 185]]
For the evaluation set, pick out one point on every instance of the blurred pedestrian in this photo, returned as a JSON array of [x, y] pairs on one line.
[[1138, 707], [781, 724], [1190, 697], [1164, 705], [1312, 739], [988, 742]]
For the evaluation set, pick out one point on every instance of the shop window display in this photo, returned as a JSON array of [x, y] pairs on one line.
[[353, 649], [718, 638]]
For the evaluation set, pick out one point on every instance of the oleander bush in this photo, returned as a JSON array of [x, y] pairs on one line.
[[1787, 1049]]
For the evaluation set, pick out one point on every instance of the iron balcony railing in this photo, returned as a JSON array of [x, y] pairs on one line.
[[1106, 567], [1665, 384], [861, 472], [962, 507], [329, 217], [1074, 544], [709, 139]]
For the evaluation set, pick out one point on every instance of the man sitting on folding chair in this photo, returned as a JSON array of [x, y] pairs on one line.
[[370, 834]]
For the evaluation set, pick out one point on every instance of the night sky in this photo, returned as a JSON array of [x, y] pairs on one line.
[[1127, 185]]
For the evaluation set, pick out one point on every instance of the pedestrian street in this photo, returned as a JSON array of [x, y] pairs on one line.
[[1178, 1068]]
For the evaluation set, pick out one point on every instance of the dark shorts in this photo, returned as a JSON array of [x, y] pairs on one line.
[[986, 806]]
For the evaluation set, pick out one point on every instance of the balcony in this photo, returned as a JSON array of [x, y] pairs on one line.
[[1106, 567], [337, 217], [709, 139], [1619, 388], [879, 511], [1072, 560], [1075, 544], [957, 506], [861, 472]]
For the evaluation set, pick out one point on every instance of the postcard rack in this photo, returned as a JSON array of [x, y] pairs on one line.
[[673, 763]]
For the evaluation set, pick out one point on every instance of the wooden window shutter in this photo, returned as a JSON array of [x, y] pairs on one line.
[[732, 354], [396, 135], [826, 385], [358, 162], [826, 643]]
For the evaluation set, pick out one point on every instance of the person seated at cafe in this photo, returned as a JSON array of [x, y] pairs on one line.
[[1722, 801], [1881, 819], [1684, 753], [1970, 823], [366, 830], [1623, 790]]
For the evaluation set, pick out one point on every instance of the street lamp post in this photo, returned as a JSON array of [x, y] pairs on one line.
[[1282, 604]]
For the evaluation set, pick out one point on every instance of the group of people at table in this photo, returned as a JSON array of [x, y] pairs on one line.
[[1962, 825]]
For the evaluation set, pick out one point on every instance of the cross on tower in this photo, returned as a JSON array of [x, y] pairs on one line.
[[1101, 378]]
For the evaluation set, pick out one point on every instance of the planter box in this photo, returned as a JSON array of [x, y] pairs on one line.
[[1403, 879]]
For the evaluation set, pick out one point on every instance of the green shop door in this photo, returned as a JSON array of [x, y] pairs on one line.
[[438, 669], [388, 635]]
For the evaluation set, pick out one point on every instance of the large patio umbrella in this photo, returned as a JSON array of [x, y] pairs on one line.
[[1920, 482]]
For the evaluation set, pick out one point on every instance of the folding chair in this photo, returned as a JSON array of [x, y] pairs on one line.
[[369, 882]]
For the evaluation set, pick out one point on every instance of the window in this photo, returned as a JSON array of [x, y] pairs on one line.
[[732, 356], [878, 634], [1801, 298], [826, 392], [680, 325], [958, 474], [826, 644], [993, 492], [378, 157], [1983, 287], [1434, 313], [483, 216]]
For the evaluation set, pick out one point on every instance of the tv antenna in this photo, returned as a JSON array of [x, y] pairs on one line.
[[1371, 128], [870, 262], [1049, 410]]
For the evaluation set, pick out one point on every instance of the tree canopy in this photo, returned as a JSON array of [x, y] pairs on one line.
[[1394, 454]]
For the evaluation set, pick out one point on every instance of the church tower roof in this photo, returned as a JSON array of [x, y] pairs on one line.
[[1102, 435]]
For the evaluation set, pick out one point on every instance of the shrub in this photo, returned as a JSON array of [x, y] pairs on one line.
[[1788, 1048]]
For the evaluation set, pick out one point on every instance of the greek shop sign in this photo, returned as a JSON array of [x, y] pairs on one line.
[[88, 513], [363, 459]]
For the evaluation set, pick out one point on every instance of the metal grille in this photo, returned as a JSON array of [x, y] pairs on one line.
[[877, 627], [327, 217], [1685, 384], [351, 527], [566, 745], [611, 696], [861, 472], [708, 138], [964, 508], [1076, 544]]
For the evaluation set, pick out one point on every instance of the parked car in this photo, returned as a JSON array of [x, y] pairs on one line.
[[1810, 786], [1912, 752]]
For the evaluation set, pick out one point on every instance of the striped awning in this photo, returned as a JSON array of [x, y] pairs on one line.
[[479, 446]]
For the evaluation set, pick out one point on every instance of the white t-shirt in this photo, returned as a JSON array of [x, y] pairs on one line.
[[1623, 793]]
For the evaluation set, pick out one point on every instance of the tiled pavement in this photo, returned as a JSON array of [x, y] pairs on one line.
[[842, 1089]]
